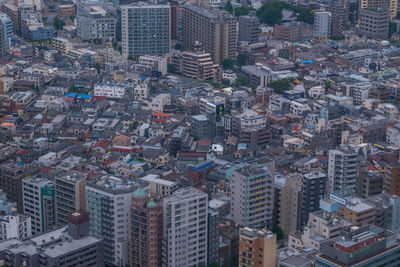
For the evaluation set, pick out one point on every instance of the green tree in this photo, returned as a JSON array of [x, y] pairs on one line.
[[235, 260], [229, 7], [242, 81], [241, 59], [243, 11], [213, 264], [227, 64], [97, 65], [270, 12], [171, 68], [392, 28], [327, 84], [279, 232], [72, 17], [280, 85], [58, 23]]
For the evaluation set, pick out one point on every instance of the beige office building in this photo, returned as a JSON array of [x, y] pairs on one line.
[[217, 34]]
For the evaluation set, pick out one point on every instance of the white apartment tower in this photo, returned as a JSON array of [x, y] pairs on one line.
[[322, 24], [342, 169], [185, 228], [252, 196]]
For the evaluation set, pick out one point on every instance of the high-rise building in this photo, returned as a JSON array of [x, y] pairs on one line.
[[145, 230], [313, 190], [216, 34], [342, 169], [7, 26], [145, 30], [12, 12], [39, 203], [257, 248], [11, 175], [374, 23], [340, 14], [108, 201], [94, 24], [249, 28], [4, 42], [185, 228], [213, 236], [252, 196], [70, 195], [390, 5], [391, 182], [322, 24], [289, 199], [198, 65]]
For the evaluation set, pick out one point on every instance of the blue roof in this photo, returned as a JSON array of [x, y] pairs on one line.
[[84, 96], [143, 77], [307, 61], [201, 166], [70, 94]]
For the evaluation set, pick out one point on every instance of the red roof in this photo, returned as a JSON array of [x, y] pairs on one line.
[[161, 114], [23, 151], [371, 167], [46, 170], [98, 98], [103, 144], [108, 161], [374, 157], [204, 142], [158, 120]]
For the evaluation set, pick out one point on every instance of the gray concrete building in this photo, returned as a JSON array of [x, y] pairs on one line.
[[374, 23], [185, 220], [249, 28], [108, 201], [145, 30], [96, 24], [342, 169], [39, 203], [66, 246]]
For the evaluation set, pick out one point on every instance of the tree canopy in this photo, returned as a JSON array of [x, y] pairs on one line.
[[280, 85], [243, 11], [227, 64]]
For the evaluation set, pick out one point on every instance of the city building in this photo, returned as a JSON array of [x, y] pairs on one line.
[[145, 30], [145, 230], [69, 195], [108, 202], [252, 196], [185, 220], [391, 5], [213, 253], [66, 246], [313, 190], [16, 226], [39, 203], [374, 23], [360, 246], [391, 181], [95, 24], [11, 176], [249, 28], [109, 89], [216, 33], [6, 208], [356, 211], [198, 65], [288, 199], [288, 31], [256, 248], [322, 24], [342, 168], [158, 186]]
